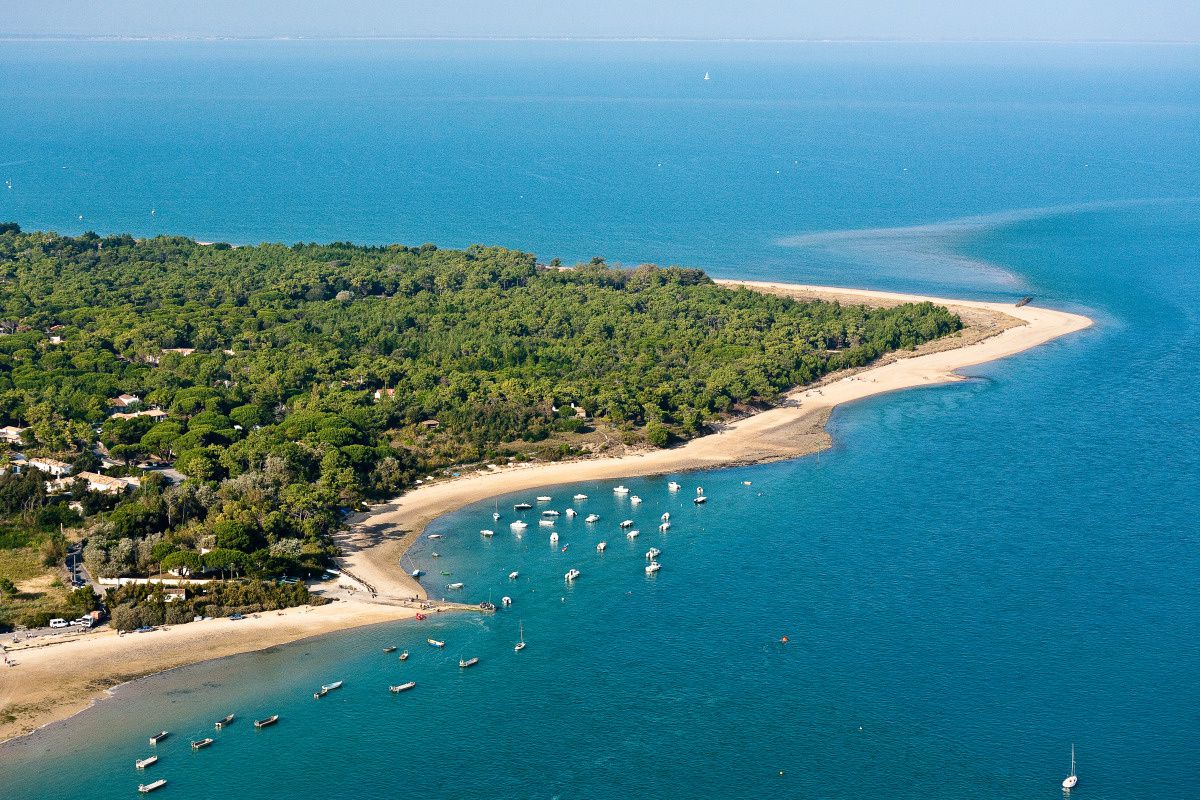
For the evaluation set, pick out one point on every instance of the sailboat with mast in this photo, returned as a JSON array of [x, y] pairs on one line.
[[1069, 782], [519, 646]]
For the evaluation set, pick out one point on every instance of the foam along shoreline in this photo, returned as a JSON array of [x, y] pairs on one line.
[[53, 682], [377, 540]]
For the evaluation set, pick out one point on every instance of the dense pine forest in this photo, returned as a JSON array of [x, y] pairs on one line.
[[251, 396]]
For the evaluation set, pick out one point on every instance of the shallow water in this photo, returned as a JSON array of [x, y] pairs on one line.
[[973, 578]]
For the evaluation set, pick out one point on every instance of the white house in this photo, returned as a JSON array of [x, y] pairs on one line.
[[51, 466], [125, 400], [11, 434]]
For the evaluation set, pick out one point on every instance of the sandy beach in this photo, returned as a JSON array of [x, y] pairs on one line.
[[55, 681]]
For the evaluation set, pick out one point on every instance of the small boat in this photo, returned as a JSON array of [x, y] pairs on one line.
[[635, 500], [544, 498], [519, 525], [550, 513], [487, 605], [519, 646], [147, 788], [416, 573], [653, 567], [455, 585], [224, 722], [666, 526], [522, 506], [554, 538], [202, 743], [158, 737], [435, 536], [495, 515], [572, 574], [470, 662], [404, 656], [673, 486], [436, 555], [142, 763], [391, 648], [512, 576], [699, 499], [628, 523], [592, 518], [436, 643], [706, 76], [506, 601], [632, 534], [546, 523], [601, 547], [747, 483], [580, 497], [263, 723], [1072, 779], [446, 573], [329, 687], [666, 517], [620, 490], [571, 512], [404, 687], [653, 553], [487, 532]]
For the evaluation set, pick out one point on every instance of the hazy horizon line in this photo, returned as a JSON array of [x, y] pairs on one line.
[[51, 37]]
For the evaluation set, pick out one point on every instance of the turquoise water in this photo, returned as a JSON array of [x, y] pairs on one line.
[[973, 578]]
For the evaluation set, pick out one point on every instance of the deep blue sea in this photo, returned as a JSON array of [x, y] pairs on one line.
[[975, 577]]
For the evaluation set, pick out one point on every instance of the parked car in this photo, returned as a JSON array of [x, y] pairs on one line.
[[59, 623]]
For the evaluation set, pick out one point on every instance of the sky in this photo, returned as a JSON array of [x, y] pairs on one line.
[[1058, 20]]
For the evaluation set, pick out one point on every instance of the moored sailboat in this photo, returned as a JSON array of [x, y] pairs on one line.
[[1072, 779], [520, 645]]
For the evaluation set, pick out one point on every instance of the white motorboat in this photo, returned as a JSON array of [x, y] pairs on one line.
[[550, 513], [673, 486], [592, 518], [404, 687], [666, 526], [699, 499], [571, 512], [554, 538], [456, 585], [546, 523], [632, 534], [620, 490], [580, 497], [506, 601], [512, 576], [435, 536], [666, 517], [545, 498], [487, 532], [653, 553], [519, 525], [572, 574], [601, 547], [627, 523], [635, 500], [653, 567]]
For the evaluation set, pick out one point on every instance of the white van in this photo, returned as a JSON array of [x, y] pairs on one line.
[[59, 623]]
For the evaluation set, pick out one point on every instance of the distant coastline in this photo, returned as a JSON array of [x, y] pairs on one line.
[[56, 681]]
